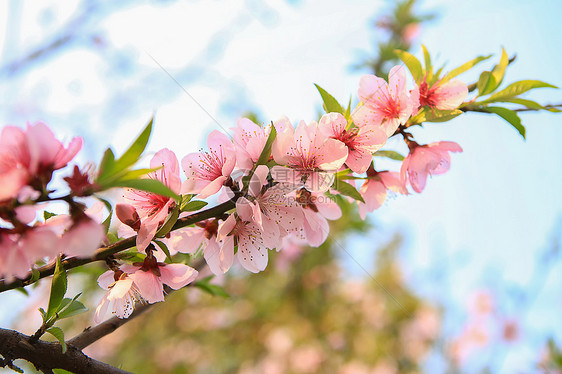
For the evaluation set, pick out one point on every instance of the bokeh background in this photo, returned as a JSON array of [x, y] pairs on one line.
[[464, 277]]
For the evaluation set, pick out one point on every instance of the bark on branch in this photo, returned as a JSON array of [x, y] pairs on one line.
[[46, 356]]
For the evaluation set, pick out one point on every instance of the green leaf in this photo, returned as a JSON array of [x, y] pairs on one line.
[[516, 89], [347, 113], [264, 157], [437, 115], [58, 289], [427, 62], [347, 189], [194, 205], [412, 63], [149, 185], [43, 314], [59, 335], [330, 103], [75, 307], [531, 104], [212, 289], [499, 70], [389, 154], [61, 371], [185, 199], [133, 256], [106, 164], [341, 173], [486, 83], [170, 222], [164, 249], [47, 215], [510, 116], [266, 153], [464, 67], [134, 174], [22, 290], [132, 155], [35, 274]]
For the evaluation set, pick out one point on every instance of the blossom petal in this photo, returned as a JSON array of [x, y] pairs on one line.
[[177, 276]]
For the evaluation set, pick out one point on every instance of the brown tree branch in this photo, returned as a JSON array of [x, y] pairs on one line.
[[46, 356], [104, 252]]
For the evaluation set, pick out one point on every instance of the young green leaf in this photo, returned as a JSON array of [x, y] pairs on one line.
[[75, 307], [486, 83], [58, 289], [330, 103], [412, 63], [510, 116], [170, 222], [266, 153], [389, 154], [516, 89], [347, 189], [22, 290], [106, 164], [132, 155], [59, 335], [464, 67], [149, 185], [437, 115], [35, 274], [134, 174], [47, 215], [499, 70], [43, 314], [185, 199], [211, 289], [194, 205], [264, 156]]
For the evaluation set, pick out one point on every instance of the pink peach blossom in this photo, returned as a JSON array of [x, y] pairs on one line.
[[121, 297], [317, 209], [253, 244], [150, 207], [204, 235], [249, 140], [31, 156], [305, 151], [385, 105], [80, 235], [424, 160], [272, 210], [208, 171], [82, 238], [18, 252], [361, 142], [441, 95], [151, 277], [374, 191]]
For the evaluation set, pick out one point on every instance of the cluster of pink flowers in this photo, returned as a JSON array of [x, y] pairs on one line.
[[288, 197], [28, 159]]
